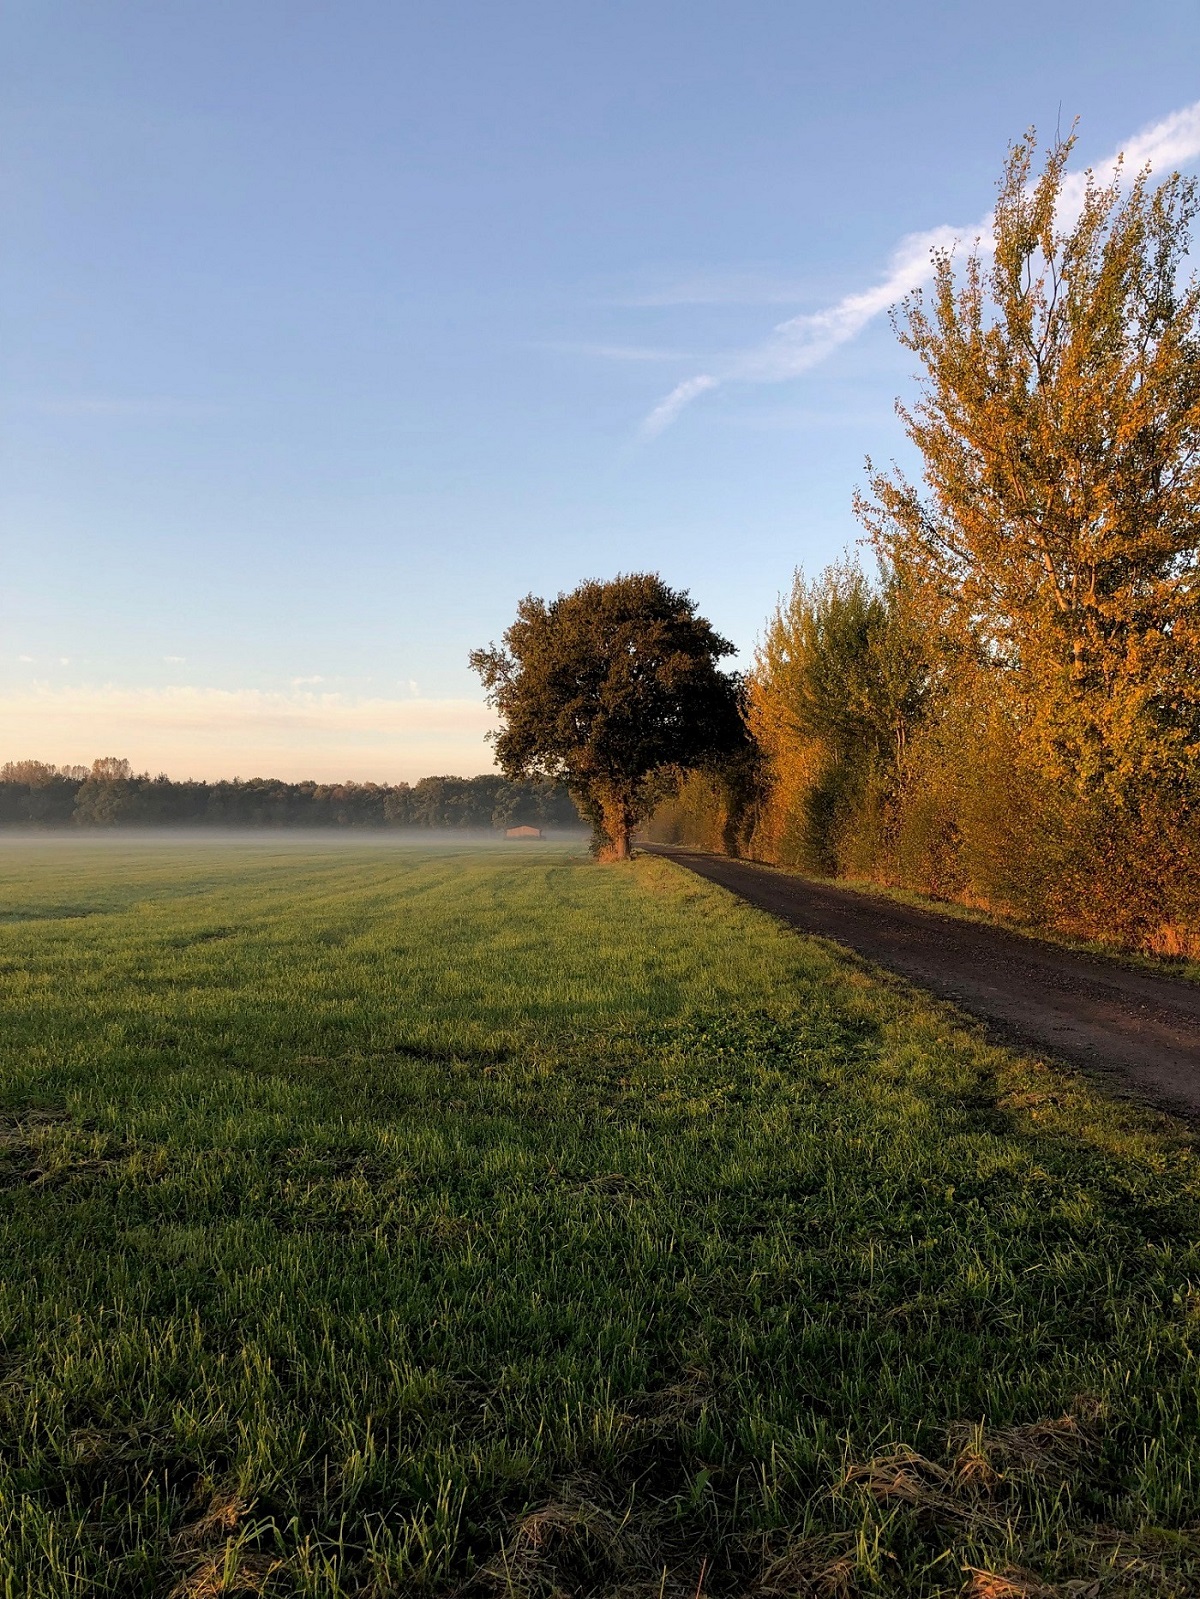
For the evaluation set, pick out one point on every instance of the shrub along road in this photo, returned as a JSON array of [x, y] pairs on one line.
[[1140, 1028]]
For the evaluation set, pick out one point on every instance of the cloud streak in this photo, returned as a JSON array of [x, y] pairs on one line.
[[802, 342], [665, 412]]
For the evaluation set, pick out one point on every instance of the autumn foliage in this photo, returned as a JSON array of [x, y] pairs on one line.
[[1010, 713]]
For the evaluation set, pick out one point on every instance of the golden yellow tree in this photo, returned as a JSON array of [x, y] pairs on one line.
[[1055, 544], [839, 681]]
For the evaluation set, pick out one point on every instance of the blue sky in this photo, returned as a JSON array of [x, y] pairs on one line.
[[332, 329]]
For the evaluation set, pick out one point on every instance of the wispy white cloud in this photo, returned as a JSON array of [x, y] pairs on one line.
[[204, 732], [1173, 142], [665, 412], [803, 341]]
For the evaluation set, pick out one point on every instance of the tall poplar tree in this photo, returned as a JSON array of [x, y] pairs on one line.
[[1056, 542]]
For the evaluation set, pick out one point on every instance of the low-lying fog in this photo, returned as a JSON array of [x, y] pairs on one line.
[[277, 837]]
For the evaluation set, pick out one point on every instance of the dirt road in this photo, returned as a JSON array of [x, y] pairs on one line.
[[1138, 1029]]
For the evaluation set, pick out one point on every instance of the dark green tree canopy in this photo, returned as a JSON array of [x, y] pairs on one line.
[[611, 687]]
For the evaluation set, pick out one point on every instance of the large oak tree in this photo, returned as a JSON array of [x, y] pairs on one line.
[[615, 688]]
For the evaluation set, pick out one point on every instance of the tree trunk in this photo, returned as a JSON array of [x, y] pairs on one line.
[[619, 816]]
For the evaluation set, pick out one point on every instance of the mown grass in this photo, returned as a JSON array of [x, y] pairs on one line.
[[386, 1221]]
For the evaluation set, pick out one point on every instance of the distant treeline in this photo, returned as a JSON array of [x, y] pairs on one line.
[[110, 794]]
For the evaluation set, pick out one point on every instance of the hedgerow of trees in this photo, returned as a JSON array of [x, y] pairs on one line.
[[1009, 712], [110, 794]]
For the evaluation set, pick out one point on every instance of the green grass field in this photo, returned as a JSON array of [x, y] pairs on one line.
[[383, 1220]]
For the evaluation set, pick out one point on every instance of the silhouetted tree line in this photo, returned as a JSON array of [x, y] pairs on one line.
[[110, 794]]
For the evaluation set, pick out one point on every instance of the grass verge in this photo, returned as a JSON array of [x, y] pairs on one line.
[[1132, 959]]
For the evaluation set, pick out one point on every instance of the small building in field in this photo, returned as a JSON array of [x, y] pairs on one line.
[[523, 832]]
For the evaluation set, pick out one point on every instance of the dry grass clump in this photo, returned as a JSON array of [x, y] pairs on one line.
[[678, 1405], [985, 1466], [573, 1543], [1014, 1584], [902, 1475], [227, 1574], [213, 1547], [822, 1567], [1049, 1449]]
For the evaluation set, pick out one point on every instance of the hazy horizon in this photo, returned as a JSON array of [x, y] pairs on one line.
[[213, 735]]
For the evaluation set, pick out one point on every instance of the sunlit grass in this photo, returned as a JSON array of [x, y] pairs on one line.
[[383, 1220]]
